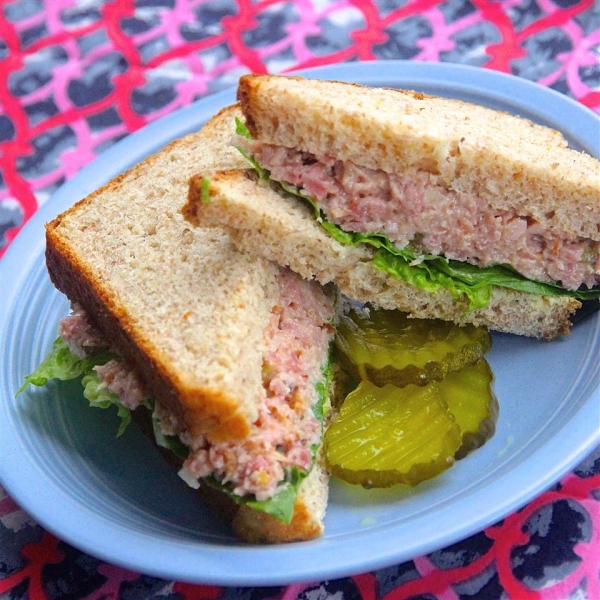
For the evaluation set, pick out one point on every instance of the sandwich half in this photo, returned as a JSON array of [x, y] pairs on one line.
[[433, 206], [223, 357]]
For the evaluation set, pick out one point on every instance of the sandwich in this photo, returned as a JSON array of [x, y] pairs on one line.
[[222, 357], [434, 206]]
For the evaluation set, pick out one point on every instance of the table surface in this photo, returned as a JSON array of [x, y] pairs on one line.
[[76, 76]]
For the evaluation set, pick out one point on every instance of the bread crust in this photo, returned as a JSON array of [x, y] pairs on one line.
[[509, 162], [282, 229]]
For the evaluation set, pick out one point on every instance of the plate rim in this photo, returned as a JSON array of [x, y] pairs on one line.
[[297, 556]]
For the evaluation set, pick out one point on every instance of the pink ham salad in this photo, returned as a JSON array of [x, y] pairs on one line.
[[122, 381], [298, 341], [80, 335], [83, 339], [413, 208]]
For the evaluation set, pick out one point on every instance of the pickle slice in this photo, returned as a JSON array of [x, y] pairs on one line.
[[470, 398], [386, 347], [388, 435]]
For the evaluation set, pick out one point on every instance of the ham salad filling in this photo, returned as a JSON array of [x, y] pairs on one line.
[[84, 339], [414, 209], [282, 438]]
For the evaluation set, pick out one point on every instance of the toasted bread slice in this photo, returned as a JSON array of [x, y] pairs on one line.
[[282, 229], [181, 305]]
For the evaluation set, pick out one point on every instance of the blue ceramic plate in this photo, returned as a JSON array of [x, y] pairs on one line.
[[115, 498]]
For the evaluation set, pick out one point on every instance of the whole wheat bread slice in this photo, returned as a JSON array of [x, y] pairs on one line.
[[281, 228], [507, 161], [127, 256], [180, 304]]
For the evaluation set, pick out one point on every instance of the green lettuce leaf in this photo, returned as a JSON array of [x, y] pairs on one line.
[[99, 396], [429, 272], [323, 386], [205, 190], [170, 442], [280, 506], [241, 129], [60, 363]]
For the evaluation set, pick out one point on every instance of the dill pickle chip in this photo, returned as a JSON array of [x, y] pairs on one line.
[[388, 435], [470, 398], [386, 347]]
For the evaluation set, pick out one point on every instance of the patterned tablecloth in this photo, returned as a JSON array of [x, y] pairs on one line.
[[78, 75]]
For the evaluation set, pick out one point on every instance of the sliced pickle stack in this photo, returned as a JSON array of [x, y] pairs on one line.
[[423, 398], [388, 435], [385, 346], [470, 399]]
